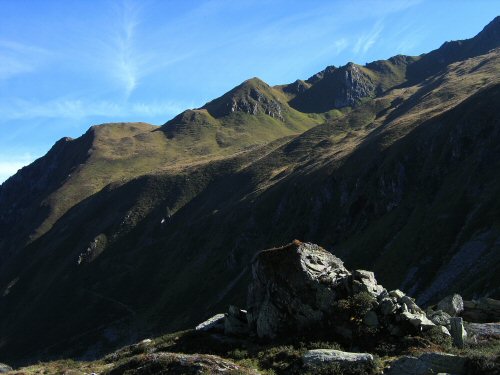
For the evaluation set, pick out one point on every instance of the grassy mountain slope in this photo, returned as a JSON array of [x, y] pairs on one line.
[[168, 218], [114, 153]]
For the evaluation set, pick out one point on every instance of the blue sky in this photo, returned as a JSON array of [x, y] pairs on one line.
[[67, 65]]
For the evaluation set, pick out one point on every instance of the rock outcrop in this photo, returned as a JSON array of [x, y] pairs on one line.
[[299, 287], [483, 310], [293, 288], [336, 88], [252, 97], [176, 363], [483, 331]]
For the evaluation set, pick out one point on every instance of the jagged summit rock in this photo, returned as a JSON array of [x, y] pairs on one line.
[[336, 88], [293, 287]]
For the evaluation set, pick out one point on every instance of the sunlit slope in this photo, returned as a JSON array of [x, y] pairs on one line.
[[117, 152]]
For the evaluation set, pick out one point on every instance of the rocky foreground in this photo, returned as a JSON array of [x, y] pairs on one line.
[[307, 313]]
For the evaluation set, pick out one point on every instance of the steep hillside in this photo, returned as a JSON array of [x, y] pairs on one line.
[[36, 197], [151, 229]]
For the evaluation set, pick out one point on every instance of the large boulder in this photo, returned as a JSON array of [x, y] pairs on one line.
[[299, 287], [428, 363], [452, 305], [293, 288], [483, 331], [321, 357], [483, 310], [4, 368]]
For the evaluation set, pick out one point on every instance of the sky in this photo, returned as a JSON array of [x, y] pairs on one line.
[[68, 65]]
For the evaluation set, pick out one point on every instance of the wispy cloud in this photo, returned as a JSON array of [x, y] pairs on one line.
[[17, 58], [80, 109], [122, 50], [366, 41], [127, 61]]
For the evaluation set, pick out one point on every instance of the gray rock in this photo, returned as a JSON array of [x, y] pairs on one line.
[[484, 310], [458, 332], [364, 281], [483, 331], [440, 318], [371, 319], [236, 322], [387, 306], [321, 357], [215, 323], [428, 363], [418, 320], [4, 368], [383, 295], [444, 330], [410, 304], [396, 294], [293, 288], [453, 305], [179, 363]]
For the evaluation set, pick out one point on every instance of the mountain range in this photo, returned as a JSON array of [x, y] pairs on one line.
[[134, 229]]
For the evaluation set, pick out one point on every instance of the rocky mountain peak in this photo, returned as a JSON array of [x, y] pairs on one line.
[[320, 75], [253, 97], [185, 121], [335, 88], [297, 87]]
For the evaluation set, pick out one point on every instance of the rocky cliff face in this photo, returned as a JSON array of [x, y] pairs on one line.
[[334, 88]]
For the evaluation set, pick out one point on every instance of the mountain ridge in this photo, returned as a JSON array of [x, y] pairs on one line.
[[173, 214]]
